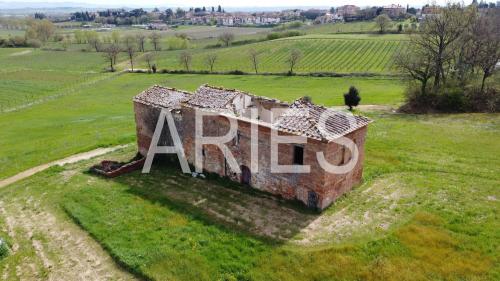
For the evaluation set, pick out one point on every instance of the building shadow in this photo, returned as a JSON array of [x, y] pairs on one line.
[[215, 200]]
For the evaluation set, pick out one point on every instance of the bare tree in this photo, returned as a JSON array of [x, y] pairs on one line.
[[141, 40], [383, 22], [130, 49], [185, 59], [484, 51], [437, 36], [210, 61], [110, 53], [417, 65], [149, 59], [226, 38], [155, 40], [254, 58], [293, 59]]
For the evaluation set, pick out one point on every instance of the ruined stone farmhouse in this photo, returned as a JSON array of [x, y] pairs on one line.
[[317, 189]]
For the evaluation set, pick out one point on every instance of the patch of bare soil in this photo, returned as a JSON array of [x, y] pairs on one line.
[[362, 211], [21, 53], [372, 210], [261, 215], [46, 247]]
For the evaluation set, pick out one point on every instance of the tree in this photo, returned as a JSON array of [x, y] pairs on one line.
[[141, 40], [40, 29], [383, 22], [79, 37], [155, 40], [169, 14], [110, 53], [254, 58], [418, 65], [179, 13], [130, 49], [437, 36], [210, 61], [484, 51], [185, 59], [352, 97], [93, 40], [226, 38], [293, 59], [115, 37], [149, 58]]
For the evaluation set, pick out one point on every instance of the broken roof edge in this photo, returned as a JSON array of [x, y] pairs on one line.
[[137, 98], [245, 92]]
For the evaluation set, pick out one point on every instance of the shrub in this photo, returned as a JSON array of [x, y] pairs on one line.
[[13, 42], [486, 101], [352, 97], [236, 72], [4, 250], [278, 35], [451, 99], [34, 43], [177, 43]]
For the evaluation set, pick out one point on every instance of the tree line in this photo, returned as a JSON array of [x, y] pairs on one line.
[[449, 56]]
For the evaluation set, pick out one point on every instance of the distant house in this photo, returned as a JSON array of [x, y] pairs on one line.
[[329, 18], [316, 189], [430, 11], [348, 10], [394, 11]]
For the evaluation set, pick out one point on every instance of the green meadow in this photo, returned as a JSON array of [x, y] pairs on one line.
[[101, 114], [427, 208], [425, 212]]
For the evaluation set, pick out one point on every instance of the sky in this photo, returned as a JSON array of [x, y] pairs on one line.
[[239, 3]]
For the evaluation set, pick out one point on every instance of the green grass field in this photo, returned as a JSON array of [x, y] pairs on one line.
[[6, 33], [101, 114], [427, 210], [321, 53], [30, 75]]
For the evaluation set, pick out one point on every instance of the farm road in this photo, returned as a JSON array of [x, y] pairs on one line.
[[71, 159]]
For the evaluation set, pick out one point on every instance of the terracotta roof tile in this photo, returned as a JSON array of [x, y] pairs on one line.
[[212, 97], [162, 97], [303, 118]]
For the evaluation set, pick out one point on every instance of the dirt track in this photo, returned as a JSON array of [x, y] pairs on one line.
[[71, 159], [46, 246]]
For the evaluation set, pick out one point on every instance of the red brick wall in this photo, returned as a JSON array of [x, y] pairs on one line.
[[326, 187]]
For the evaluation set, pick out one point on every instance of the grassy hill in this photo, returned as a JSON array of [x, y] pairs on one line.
[[321, 53]]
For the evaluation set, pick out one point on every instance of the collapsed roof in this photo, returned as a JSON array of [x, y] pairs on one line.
[[302, 117]]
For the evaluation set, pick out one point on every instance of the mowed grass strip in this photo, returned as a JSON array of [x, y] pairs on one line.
[[102, 115], [320, 54]]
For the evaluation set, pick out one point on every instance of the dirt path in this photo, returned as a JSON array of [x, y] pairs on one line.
[[369, 107], [47, 247], [68, 160], [21, 53]]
